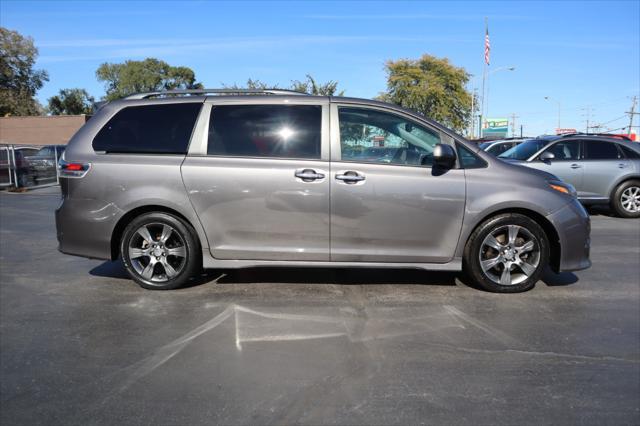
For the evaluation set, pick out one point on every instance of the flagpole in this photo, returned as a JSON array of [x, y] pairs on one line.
[[484, 76]]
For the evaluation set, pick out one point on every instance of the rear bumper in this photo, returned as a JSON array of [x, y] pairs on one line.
[[574, 231], [84, 227]]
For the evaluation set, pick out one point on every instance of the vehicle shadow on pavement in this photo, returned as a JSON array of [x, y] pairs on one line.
[[341, 276], [553, 279], [290, 275]]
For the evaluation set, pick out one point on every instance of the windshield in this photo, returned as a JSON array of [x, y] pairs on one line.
[[525, 150], [484, 145]]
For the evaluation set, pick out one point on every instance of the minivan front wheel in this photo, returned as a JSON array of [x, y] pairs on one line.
[[507, 254], [159, 251]]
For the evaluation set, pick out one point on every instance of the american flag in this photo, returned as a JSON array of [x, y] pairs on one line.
[[487, 46]]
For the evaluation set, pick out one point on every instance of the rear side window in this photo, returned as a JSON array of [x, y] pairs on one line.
[[601, 150], [280, 131], [149, 129], [629, 153]]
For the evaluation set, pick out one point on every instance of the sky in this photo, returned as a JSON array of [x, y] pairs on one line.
[[584, 56]]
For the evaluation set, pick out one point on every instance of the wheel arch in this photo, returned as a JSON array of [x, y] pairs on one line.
[[122, 223], [555, 248], [621, 181]]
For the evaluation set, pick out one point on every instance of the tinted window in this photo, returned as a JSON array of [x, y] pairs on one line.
[[525, 149], [499, 148], [266, 131], [628, 152], [601, 150], [565, 150], [373, 136], [468, 159], [149, 129]]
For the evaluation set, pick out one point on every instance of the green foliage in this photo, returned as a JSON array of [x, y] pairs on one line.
[[308, 86], [431, 86], [144, 76], [19, 82], [71, 102]]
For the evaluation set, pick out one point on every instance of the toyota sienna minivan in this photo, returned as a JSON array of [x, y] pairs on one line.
[[174, 182]]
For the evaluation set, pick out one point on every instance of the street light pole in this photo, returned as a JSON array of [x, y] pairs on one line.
[[493, 72], [484, 98]]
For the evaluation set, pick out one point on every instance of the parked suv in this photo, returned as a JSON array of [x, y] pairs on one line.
[[174, 182], [602, 169]]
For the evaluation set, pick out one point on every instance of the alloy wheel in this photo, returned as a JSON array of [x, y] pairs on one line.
[[509, 255], [630, 199], [157, 252]]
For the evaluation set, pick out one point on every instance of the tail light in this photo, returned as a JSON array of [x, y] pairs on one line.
[[72, 169]]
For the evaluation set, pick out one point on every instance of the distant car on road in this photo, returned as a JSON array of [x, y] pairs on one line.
[[499, 146], [602, 169]]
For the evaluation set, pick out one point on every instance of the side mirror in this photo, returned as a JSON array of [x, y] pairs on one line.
[[444, 156], [547, 156]]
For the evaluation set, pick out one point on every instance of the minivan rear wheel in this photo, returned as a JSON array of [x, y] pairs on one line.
[[506, 254], [159, 251], [626, 199]]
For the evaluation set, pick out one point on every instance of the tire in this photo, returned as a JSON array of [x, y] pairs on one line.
[[625, 200], [524, 249], [165, 257]]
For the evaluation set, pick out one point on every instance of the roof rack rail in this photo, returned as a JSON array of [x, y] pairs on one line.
[[163, 93], [610, 135]]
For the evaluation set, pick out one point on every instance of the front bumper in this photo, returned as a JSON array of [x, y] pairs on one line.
[[573, 226]]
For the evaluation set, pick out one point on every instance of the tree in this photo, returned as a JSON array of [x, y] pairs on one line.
[[19, 82], [71, 102], [431, 86], [144, 76], [308, 86]]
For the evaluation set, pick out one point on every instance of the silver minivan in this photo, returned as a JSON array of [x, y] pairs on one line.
[[173, 182]]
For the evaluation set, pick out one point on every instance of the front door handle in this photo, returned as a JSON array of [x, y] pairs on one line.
[[308, 175], [350, 177], [575, 166]]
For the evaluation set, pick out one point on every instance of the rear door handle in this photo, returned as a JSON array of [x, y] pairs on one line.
[[350, 177], [575, 166], [622, 165], [308, 175]]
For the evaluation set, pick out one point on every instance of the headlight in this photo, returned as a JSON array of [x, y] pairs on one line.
[[563, 187]]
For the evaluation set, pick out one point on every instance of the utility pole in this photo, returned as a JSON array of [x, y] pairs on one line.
[[588, 116], [513, 124], [631, 114]]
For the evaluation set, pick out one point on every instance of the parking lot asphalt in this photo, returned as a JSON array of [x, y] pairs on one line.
[[82, 344]]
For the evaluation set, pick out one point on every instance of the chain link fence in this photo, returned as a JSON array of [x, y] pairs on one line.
[[23, 166]]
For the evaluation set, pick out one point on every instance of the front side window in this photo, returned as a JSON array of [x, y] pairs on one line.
[[149, 129], [373, 136], [280, 131], [467, 159], [601, 150], [565, 150]]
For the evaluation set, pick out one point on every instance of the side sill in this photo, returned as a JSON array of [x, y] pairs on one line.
[[210, 263]]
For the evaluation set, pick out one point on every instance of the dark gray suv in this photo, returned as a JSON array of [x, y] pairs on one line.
[[173, 182]]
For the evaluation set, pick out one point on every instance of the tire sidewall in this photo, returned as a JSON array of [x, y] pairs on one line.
[[617, 199], [191, 263], [471, 255]]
